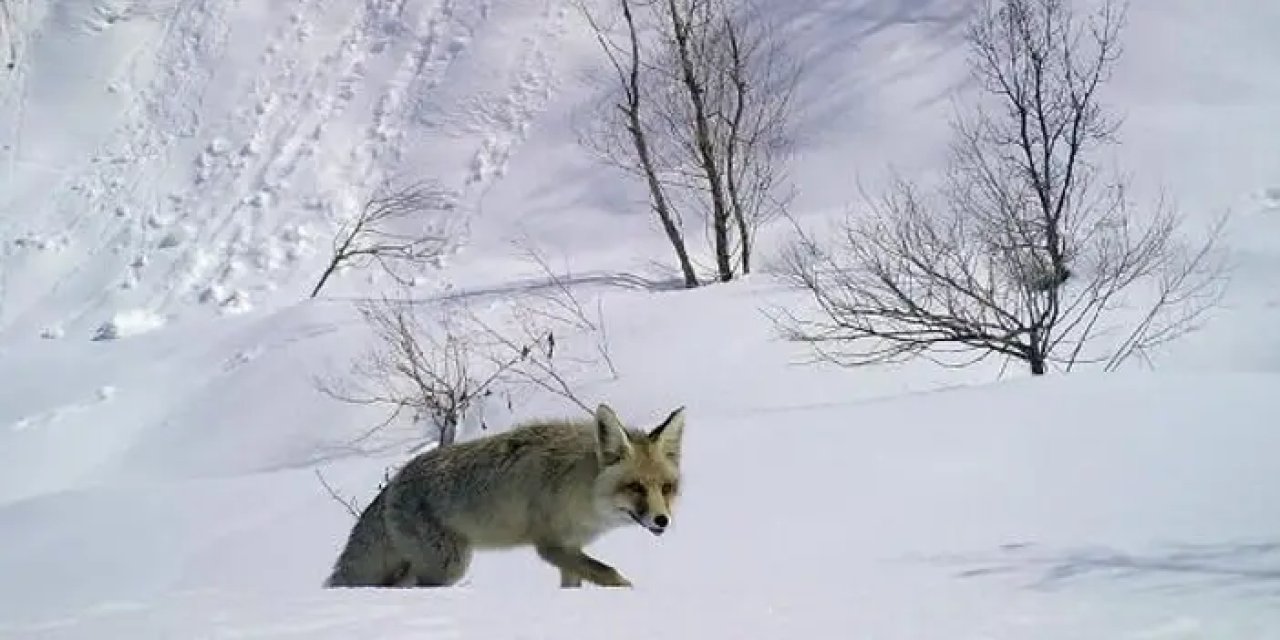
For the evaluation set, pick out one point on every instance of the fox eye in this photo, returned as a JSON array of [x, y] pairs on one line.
[[633, 487], [668, 488]]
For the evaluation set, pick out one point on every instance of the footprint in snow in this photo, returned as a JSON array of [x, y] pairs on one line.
[[46, 418], [1271, 198]]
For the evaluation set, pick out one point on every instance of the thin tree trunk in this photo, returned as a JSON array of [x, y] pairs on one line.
[[656, 193], [661, 208], [706, 148], [1036, 352], [342, 252], [735, 142], [449, 430], [333, 266]]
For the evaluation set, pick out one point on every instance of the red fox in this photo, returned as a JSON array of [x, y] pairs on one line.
[[555, 485]]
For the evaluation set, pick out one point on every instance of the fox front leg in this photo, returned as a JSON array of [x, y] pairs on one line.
[[581, 567], [569, 579]]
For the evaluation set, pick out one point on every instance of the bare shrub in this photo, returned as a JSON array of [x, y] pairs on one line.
[[438, 369], [542, 364], [1026, 251], [434, 373], [559, 306], [562, 340], [383, 232]]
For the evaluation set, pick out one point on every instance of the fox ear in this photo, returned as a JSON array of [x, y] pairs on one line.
[[668, 434], [611, 437]]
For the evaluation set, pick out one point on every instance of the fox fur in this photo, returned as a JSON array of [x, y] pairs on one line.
[[554, 485]]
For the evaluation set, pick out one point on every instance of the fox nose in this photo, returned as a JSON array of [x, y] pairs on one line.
[[661, 520]]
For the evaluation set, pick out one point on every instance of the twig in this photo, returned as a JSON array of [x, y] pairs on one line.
[[350, 505]]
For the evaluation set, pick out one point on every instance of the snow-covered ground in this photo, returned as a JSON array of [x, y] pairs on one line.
[[171, 172]]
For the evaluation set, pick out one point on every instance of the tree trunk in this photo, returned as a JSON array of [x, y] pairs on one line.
[[686, 267], [449, 430], [735, 142], [657, 196], [1036, 361], [744, 230], [702, 138], [333, 265]]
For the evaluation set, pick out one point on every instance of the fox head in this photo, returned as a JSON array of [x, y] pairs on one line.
[[640, 472]]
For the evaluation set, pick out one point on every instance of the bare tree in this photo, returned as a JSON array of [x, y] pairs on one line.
[[1026, 251], [703, 101], [377, 234], [439, 369], [539, 364], [690, 116], [753, 84], [724, 118], [559, 307], [632, 152], [434, 373]]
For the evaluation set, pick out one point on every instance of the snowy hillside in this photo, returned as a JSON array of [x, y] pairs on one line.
[[171, 175], [914, 518]]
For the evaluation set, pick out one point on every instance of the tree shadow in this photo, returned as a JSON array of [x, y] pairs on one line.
[[1248, 566], [835, 34]]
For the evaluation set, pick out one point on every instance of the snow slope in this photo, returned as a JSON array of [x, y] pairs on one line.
[[924, 516], [160, 154], [170, 175]]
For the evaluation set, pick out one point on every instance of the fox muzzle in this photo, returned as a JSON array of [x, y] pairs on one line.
[[656, 523]]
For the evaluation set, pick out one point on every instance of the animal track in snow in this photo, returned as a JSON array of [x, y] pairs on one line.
[[504, 119], [46, 418], [1271, 198], [234, 118], [128, 323]]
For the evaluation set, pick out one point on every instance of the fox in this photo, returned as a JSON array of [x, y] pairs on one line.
[[555, 485]]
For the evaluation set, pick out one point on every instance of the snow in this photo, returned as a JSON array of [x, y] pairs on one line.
[[898, 518], [171, 173], [129, 323]]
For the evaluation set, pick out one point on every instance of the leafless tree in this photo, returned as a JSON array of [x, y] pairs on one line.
[[700, 109], [539, 364], [439, 368], [432, 372], [1026, 252], [559, 307], [753, 83], [623, 140], [392, 230]]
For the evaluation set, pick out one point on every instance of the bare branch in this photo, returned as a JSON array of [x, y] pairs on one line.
[[538, 366], [432, 372], [1185, 292], [700, 111], [438, 372], [564, 308], [1025, 252], [376, 236], [349, 504], [633, 151]]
